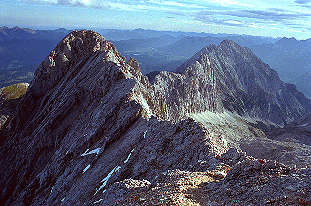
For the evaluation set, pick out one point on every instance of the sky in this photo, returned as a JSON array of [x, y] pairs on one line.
[[276, 18]]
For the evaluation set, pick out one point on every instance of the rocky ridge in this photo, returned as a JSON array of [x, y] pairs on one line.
[[91, 123], [234, 179]]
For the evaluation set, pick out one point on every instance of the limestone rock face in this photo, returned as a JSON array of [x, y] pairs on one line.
[[176, 96], [92, 130], [248, 86]]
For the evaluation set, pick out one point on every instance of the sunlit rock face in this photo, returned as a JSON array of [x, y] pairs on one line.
[[92, 130], [85, 97], [248, 86]]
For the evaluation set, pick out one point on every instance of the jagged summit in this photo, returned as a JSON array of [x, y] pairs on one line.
[[228, 43], [232, 47], [92, 130], [247, 85], [287, 40], [227, 48], [74, 50]]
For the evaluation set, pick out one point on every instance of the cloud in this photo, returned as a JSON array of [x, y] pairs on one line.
[[99, 4], [183, 4], [85, 3], [162, 5], [233, 13], [302, 1], [214, 20], [271, 15], [226, 3], [273, 18]]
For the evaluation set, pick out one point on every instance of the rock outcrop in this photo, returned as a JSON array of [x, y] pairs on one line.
[[233, 179], [9, 99], [92, 130], [259, 182]]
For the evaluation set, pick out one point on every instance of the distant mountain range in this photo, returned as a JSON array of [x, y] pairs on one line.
[[291, 58], [117, 34], [16, 33], [22, 49], [303, 83], [171, 50], [189, 45], [288, 56]]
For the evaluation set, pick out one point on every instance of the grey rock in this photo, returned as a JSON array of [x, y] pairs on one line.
[[119, 190], [251, 182], [85, 97], [92, 129], [248, 86]]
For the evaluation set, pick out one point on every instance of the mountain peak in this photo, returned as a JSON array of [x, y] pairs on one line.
[[290, 39], [228, 43], [227, 48], [287, 41], [72, 52], [16, 28], [224, 47], [241, 78]]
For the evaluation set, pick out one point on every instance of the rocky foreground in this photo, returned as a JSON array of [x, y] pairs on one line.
[[92, 130]]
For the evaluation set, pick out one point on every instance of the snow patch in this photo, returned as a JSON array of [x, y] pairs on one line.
[[85, 169], [63, 200], [145, 134], [52, 190], [128, 157], [304, 125], [98, 201], [94, 151], [106, 179]]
